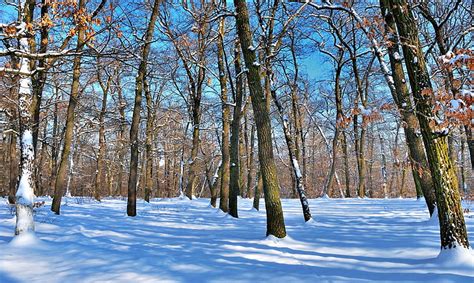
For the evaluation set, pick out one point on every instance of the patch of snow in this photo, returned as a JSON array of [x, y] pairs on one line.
[[353, 240], [456, 258]]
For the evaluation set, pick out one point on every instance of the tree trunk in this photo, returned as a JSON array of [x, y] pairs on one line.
[[148, 142], [225, 177], [420, 168], [121, 139], [135, 126], [339, 116], [452, 226], [470, 143], [215, 182], [100, 174], [25, 192], [235, 180], [258, 191], [346, 165], [275, 221], [384, 166], [60, 184], [13, 163], [298, 176], [250, 158]]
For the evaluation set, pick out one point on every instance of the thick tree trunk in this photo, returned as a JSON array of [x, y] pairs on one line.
[[452, 226], [275, 220], [25, 192], [420, 168], [135, 126]]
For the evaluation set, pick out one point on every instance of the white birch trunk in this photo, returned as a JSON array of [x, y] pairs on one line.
[[25, 193]]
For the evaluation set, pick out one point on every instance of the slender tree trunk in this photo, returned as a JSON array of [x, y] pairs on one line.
[[121, 139], [135, 126], [339, 116], [346, 165], [298, 176], [384, 166], [225, 178], [258, 191], [214, 184], [470, 143], [54, 145], [149, 142], [100, 174], [275, 220], [250, 159], [13, 179], [463, 175], [60, 184], [235, 181], [452, 226]]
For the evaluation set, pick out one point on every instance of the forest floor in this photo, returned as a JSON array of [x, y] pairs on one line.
[[173, 240]]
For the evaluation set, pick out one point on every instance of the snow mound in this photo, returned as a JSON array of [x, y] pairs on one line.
[[433, 221], [273, 241], [25, 240], [456, 258], [311, 222]]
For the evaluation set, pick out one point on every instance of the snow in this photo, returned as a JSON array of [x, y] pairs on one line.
[[173, 240], [397, 56], [24, 193], [452, 59], [297, 168], [365, 111]]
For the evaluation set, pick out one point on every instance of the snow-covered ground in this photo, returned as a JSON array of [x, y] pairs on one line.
[[350, 240]]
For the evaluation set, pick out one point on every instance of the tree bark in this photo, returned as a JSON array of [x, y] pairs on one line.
[[100, 174], [148, 142], [139, 85], [452, 226], [60, 184], [26, 187], [250, 157], [258, 191], [298, 176], [235, 180], [225, 177], [419, 163], [275, 220]]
